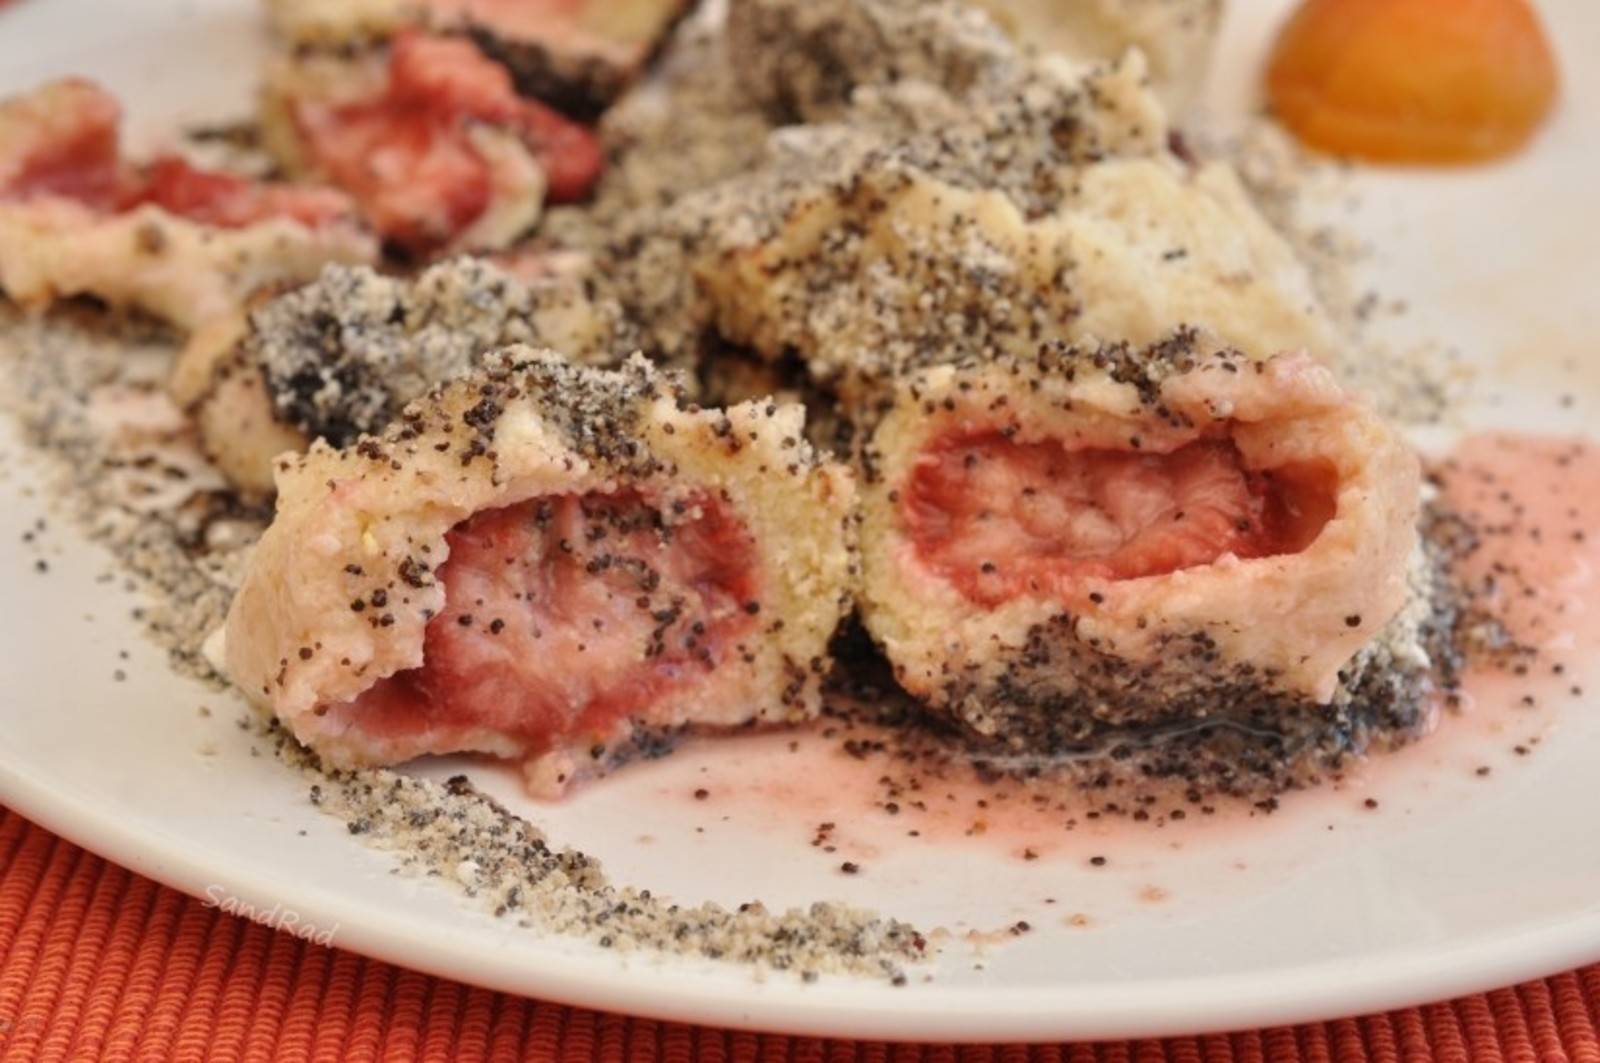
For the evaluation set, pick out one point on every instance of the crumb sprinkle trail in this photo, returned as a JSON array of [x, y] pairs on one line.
[[454, 833], [88, 393]]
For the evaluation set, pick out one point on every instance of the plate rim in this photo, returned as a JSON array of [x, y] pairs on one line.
[[1343, 987]]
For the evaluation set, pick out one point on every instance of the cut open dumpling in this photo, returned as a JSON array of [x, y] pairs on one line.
[[430, 138], [182, 243], [551, 564], [1105, 535]]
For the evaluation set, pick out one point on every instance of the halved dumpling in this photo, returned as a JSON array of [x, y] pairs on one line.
[[577, 55], [430, 138], [341, 356], [185, 244], [550, 564], [1115, 536]]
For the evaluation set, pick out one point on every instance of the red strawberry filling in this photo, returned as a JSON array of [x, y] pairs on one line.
[[1000, 519], [72, 151], [228, 201], [408, 158], [565, 615], [74, 155]]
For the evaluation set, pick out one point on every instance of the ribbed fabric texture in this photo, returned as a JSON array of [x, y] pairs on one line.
[[96, 962]]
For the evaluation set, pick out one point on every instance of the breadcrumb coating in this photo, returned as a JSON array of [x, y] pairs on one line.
[[343, 355], [1235, 637], [367, 525]]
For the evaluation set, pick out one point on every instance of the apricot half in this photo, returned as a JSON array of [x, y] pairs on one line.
[[1430, 81]]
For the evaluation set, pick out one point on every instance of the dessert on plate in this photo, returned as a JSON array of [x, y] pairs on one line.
[[1109, 482], [566, 449]]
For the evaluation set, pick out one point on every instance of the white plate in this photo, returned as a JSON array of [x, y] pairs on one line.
[[1325, 909]]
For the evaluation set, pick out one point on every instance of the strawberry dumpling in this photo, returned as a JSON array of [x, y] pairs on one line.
[[551, 564], [430, 138], [1109, 536], [185, 244]]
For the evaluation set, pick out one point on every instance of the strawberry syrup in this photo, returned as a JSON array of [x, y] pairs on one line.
[[1527, 504]]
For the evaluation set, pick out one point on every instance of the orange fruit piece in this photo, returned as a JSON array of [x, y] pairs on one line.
[[1413, 80]]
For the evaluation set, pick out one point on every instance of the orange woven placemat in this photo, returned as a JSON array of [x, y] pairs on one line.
[[98, 962]]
